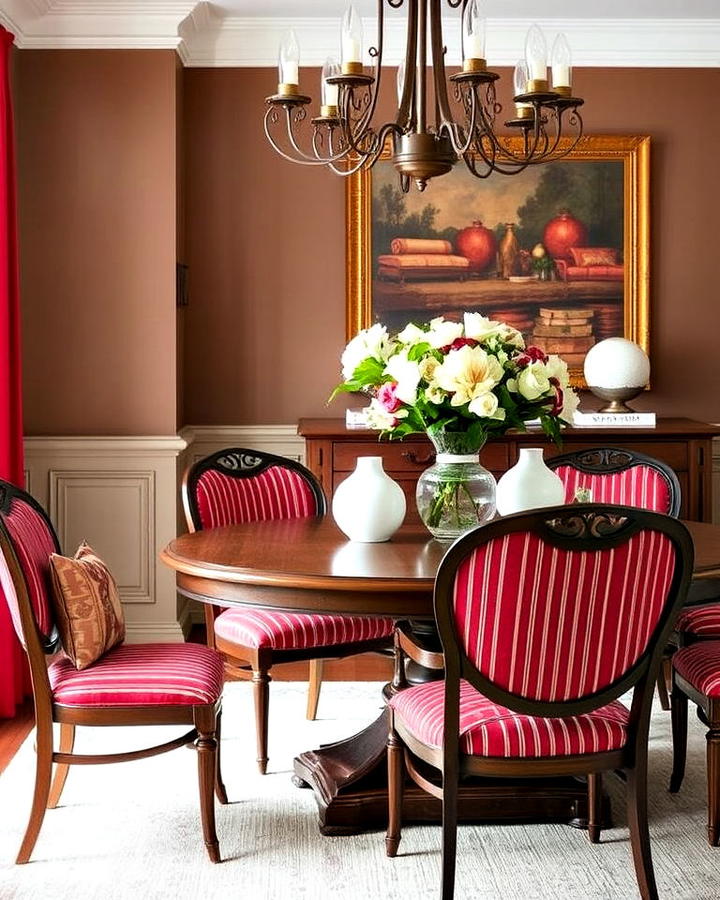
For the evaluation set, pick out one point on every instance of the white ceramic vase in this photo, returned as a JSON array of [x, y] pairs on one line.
[[529, 484], [369, 506]]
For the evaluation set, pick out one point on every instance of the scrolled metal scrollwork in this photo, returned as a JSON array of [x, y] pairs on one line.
[[239, 462], [604, 459], [587, 524]]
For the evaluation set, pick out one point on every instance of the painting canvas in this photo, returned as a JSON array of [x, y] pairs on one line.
[[559, 250]]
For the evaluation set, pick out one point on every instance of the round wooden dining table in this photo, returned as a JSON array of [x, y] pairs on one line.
[[309, 565]]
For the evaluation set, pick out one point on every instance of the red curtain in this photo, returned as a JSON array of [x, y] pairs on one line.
[[14, 680]]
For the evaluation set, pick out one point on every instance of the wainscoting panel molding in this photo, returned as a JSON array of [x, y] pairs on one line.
[[120, 495]]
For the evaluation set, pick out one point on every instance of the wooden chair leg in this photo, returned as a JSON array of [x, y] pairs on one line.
[[43, 774], [662, 686], [713, 783], [638, 823], [220, 791], [211, 613], [261, 692], [314, 685], [679, 719], [449, 829], [396, 774], [67, 742], [594, 781], [206, 745]]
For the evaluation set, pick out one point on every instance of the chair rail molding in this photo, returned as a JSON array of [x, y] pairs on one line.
[[120, 495]]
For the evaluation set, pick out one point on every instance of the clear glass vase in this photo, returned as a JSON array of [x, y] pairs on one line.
[[456, 493]]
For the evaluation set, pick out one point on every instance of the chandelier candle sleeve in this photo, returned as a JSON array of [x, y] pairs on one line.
[[473, 36], [520, 83], [536, 58], [289, 61], [561, 58], [351, 41], [329, 92]]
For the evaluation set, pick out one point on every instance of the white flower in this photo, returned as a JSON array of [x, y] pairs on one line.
[[557, 368], [571, 402], [372, 342], [533, 381], [378, 417], [435, 395], [411, 334], [443, 333], [407, 375], [467, 373], [428, 366], [480, 328], [486, 406]]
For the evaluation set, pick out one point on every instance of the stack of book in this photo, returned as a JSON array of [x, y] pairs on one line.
[[567, 332]]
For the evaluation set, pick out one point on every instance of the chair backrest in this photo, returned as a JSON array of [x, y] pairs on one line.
[[561, 610], [619, 476], [238, 485]]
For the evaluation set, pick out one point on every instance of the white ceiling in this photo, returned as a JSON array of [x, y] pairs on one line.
[[500, 9], [660, 33]]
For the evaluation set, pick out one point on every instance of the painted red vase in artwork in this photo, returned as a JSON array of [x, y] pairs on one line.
[[562, 233], [477, 244]]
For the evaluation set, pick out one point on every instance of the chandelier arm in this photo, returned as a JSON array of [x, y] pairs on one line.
[[405, 119], [302, 158], [446, 122], [377, 54], [461, 143]]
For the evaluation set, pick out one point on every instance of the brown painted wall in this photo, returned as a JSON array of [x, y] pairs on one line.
[[96, 152], [266, 322]]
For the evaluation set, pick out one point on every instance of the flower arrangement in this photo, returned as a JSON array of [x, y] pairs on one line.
[[474, 378], [462, 383]]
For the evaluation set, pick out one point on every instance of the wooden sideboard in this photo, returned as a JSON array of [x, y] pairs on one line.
[[332, 450]]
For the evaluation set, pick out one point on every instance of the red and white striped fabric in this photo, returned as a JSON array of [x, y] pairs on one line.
[[277, 493], [637, 486], [487, 729], [141, 675], [703, 621], [553, 624], [699, 664], [33, 544], [296, 631]]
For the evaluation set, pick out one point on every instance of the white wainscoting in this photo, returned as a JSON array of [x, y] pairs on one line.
[[120, 495]]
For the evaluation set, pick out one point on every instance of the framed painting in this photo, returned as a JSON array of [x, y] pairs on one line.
[[559, 251]]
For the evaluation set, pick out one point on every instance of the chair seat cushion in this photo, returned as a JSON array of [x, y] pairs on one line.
[[487, 729], [141, 675], [700, 620], [699, 665], [296, 631]]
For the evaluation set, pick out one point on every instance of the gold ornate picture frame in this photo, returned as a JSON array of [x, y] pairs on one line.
[[608, 277]]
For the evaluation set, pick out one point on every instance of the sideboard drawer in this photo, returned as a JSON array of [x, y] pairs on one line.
[[408, 456]]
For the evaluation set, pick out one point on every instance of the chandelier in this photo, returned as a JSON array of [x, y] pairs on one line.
[[345, 138]]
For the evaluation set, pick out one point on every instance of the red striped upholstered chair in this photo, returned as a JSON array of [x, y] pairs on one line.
[[134, 684], [545, 619], [696, 675], [236, 485]]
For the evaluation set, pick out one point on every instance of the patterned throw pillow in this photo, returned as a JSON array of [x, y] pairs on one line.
[[594, 256], [87, 606]]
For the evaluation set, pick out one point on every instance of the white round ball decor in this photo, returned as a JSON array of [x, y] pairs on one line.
[[617, 370]]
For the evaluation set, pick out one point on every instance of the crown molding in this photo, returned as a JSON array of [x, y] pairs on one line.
[[205, 39]]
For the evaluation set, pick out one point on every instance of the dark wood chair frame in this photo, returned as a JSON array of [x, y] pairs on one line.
[[205, 719], [252, 663], [609, 461], [591, 527]]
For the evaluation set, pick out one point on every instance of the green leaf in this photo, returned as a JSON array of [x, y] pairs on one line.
[[369, 373], [417, 352]]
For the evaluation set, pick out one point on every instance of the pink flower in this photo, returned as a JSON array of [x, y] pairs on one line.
[[386, 396], [530, 355]]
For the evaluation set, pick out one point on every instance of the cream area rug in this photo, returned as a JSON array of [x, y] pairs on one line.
[[132, 830]]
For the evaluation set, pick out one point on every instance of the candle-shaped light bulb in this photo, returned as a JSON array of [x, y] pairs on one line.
[[400, 81], [352, 36], [329, 92], [520, 77], [289, 59], [520, 83], [536, 54], [561, 62], [473, 32]]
